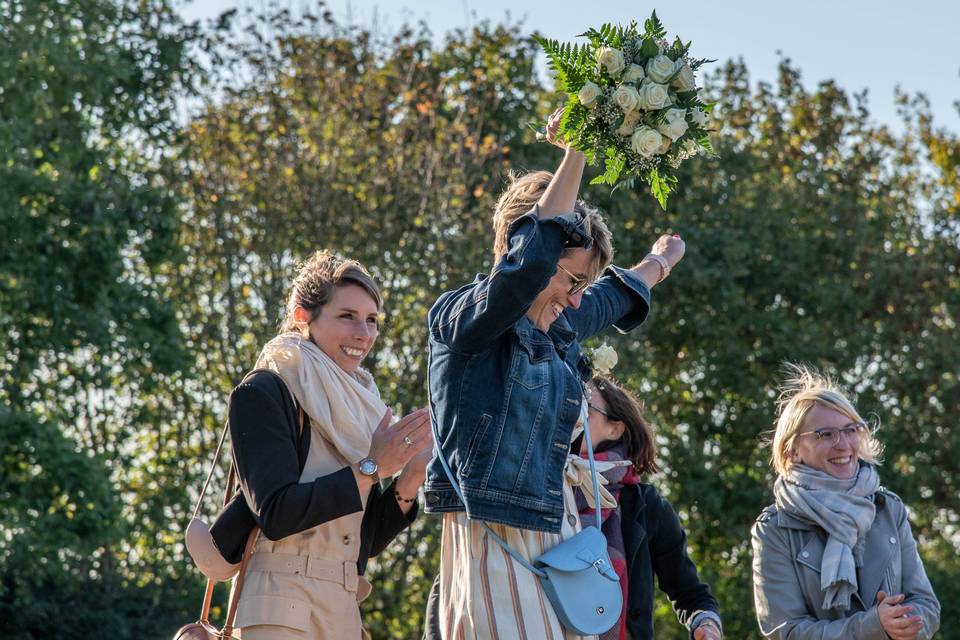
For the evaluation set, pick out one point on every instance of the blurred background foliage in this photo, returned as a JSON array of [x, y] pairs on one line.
[[159, 182]]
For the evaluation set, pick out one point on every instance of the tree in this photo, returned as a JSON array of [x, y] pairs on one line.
[[387, 149], [87, 95], [816, 238]]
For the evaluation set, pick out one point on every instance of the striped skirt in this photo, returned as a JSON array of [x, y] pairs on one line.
[[484, 593]]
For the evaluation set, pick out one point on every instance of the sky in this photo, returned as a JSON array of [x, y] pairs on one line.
[[861, 44]]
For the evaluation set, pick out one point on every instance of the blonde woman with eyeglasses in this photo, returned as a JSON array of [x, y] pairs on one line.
[[834, 557]]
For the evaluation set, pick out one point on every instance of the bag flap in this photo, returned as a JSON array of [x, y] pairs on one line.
[[578, 553], [201, 547]]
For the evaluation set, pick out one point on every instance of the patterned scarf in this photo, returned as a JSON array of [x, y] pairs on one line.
[[842, 508], [617, 472], [343, 408]]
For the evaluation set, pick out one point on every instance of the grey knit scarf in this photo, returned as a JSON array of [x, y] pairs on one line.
[[842, 508]]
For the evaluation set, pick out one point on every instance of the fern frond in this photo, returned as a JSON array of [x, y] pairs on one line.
[[696, 63], [653, 27]]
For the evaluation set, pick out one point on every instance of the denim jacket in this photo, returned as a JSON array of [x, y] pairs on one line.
[[505, 396]]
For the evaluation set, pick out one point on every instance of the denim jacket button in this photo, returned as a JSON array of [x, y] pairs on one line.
[[805, 554], [893, 540]]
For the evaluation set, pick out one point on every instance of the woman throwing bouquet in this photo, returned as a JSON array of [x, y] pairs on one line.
[[507, 392]]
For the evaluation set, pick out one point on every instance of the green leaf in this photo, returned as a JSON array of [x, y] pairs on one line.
[[660, 187], [649, 48], [654, 28]]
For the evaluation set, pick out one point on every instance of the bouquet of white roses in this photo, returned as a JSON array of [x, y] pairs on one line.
[[633, 101]]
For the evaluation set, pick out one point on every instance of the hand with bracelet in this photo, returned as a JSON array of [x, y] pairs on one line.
[[666, 252], [398, 447]]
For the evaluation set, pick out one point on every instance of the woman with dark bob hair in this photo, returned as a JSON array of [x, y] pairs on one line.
[[644, 536], [316, 495], [834, 557]]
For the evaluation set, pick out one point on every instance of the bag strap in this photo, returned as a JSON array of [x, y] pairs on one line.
[[503, 543], [227, 631], [213, 467], [248, 549]]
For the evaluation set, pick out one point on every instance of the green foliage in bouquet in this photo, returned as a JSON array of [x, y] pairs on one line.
[[633, 103]]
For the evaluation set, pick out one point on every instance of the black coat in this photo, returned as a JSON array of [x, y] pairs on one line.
[[656, 544], [269, 452]]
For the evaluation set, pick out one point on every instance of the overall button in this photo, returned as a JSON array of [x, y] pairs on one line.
[[805, 554], [893, 540]]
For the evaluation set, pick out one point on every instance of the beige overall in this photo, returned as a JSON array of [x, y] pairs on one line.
[[306, 585]]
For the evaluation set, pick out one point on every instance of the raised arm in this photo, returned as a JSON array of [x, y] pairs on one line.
[[561, 194], [621, 297]]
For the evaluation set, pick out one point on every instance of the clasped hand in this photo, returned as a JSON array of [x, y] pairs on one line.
[[408, 443], [895, 618]]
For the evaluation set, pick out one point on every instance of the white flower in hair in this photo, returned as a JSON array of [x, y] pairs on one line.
[[604, 359]]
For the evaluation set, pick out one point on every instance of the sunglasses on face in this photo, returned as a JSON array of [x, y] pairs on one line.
[[830, 436], [577, 283]]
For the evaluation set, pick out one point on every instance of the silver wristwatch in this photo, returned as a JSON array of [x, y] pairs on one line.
[[369, 468]]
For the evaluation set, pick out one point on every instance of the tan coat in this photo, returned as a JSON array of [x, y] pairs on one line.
[[787, 552], [306, 586]]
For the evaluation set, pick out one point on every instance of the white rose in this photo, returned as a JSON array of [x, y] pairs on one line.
[[675, 125], [685, 80], [660, 68], [653, 96], [626, 97], [646, 141], [612, 59], [634, 73], [630, 122], [664, 146], [699, 117], [604, 359], [588, 93]]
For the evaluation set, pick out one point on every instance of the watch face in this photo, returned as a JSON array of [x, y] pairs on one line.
[[368, 467]]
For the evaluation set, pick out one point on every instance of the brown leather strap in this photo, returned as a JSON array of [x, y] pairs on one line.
[[238, 583], [251, 540]]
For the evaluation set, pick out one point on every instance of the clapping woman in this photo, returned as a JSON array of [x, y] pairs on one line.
[[834, 557], [316, 495]]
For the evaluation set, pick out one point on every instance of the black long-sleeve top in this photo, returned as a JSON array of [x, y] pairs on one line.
[[269, 452], [656, 544]]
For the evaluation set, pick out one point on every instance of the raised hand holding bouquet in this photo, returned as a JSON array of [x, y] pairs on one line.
[[633, 102]]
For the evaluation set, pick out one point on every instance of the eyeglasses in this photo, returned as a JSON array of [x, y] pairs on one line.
[[831, 437], [577, 284], [598, 410]]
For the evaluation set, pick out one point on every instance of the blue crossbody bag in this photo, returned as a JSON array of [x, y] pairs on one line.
[[576, 575]]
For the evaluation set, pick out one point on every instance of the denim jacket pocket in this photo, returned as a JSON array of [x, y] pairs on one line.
[[475, 444], [531, 364]]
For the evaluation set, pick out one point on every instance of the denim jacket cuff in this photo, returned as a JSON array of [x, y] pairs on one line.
[[639, 293], [569, 228]]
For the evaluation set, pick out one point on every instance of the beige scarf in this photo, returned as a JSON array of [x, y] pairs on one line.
[[343, 408]]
